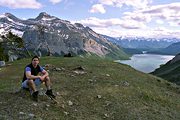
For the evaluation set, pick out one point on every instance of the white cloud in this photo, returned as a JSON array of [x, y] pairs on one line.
[[110, 31], [95, 22], [164, 13], [159, 21], [33, 4], [55, 1], [117, 27], [132, 24], [107, 2], [159, 29], [174, 24], [167, 11], [113, 22], [138, 4], [98, 8], [139, 21], [137, 16]]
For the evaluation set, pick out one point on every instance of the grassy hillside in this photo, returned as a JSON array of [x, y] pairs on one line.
[[104, 90], [169, 71]]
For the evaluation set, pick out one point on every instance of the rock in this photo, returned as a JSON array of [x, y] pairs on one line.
[[70, 103], [106, 115], [90, 81], [2, 63], [34, 104], [57, 69], [72, 75], [22, 113], [66, 113], [99, 96], [107, 103], [79, 72], [13, 58], [57, 93], [116, 85], [63, 106], [47, 105], [79, 68], [63, 68], [125, 83], [107, 75], [31, 115]]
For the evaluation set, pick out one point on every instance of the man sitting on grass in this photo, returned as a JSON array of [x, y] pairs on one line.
[[34, 75]]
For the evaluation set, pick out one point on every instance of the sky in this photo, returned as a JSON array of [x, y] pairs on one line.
[[115, 18]]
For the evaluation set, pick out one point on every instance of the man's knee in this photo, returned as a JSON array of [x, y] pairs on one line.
[[47, 78], [30, 82]]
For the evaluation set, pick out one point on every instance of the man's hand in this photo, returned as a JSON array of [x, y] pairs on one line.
[[42, 78]]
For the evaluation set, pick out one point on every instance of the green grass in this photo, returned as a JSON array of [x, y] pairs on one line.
[[125, 94], [169, 72]]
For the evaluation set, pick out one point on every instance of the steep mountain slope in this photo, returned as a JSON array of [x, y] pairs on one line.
[[101, 90], [48, 34], [170, 50], [170, 71]]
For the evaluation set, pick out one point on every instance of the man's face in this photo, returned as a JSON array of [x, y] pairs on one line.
[[35, 61]]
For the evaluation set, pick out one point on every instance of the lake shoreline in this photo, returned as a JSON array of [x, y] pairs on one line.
[[146, 62]]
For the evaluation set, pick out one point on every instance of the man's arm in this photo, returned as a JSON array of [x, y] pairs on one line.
[[29, 76], [45, 73]]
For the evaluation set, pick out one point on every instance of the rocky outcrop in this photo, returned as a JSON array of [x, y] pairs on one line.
[[2, 63]]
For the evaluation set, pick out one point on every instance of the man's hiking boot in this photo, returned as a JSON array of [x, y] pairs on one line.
[[35, 96], [50, 94]]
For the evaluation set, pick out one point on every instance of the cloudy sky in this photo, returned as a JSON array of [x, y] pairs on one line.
[[147, 18]]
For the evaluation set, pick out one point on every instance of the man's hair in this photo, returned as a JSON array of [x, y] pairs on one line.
[[35, 57]]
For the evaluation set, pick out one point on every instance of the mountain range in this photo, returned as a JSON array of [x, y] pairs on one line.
[[47, 33], [172, 49], [136, 45], [143, 43]]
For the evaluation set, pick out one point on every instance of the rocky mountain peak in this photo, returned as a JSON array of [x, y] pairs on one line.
[[48, 34], [44, 16], [79, 25], [10, 16]]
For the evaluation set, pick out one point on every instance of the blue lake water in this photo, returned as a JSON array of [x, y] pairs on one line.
[[146, 62]]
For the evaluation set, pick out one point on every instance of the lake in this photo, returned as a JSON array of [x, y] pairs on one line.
[[146, 62]]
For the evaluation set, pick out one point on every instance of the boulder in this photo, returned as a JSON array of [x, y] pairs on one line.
[[2, 63]]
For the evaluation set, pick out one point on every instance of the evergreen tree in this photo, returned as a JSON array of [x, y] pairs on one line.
[[12, 44]]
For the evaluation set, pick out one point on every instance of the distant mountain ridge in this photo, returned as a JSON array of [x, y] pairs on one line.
[[47, 33], [172, 49], [143, 43], [148, 43]]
